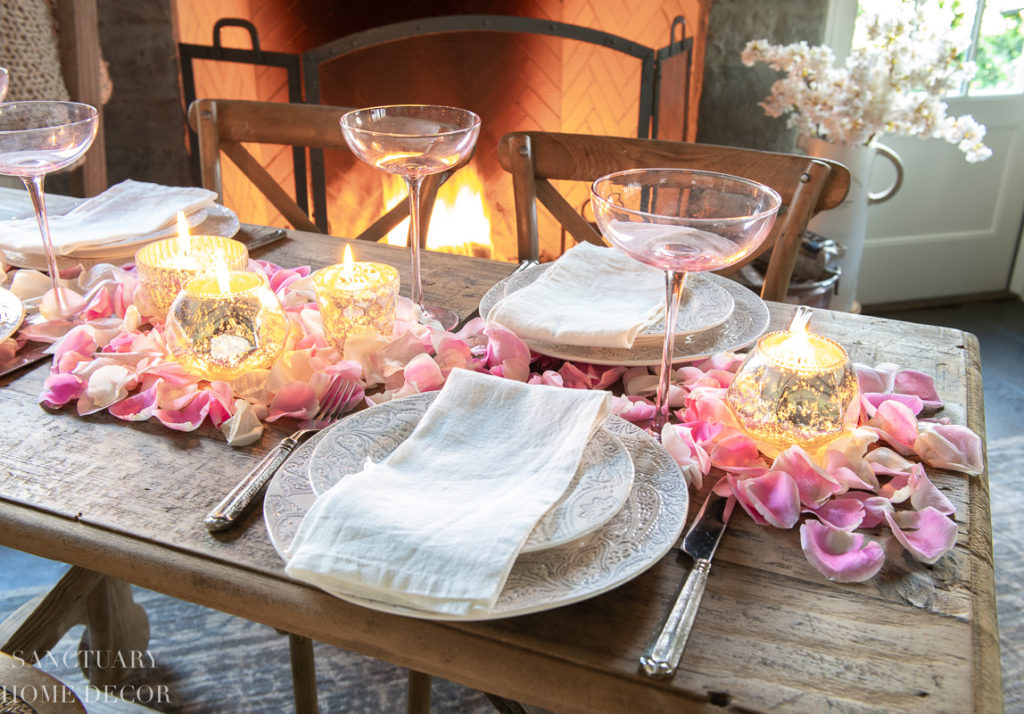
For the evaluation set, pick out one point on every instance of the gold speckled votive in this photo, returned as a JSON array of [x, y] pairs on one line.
[[220, 331], [356, 297], [794, 388], [165, 266]]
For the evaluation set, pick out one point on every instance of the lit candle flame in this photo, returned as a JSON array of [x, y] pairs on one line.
[[223, 275], [348, 270], [184, 239], [798, 347]]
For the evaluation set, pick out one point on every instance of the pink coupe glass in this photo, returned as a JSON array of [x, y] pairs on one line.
[[37, 138], [681, 221], [413, 141]]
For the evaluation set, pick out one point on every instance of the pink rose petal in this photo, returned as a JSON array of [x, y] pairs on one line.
[[736, 453], [296, 399], [421, 375], [189, 416], [59, 389], [897, 425], [886, 461], [515, 368], [774, 497], [844, 513], [503, 344], [927, 534], [692, 459], [138, 407], [875, 507], [952, 447], [924, 494], [918, 384], [244, 426], [912, 402], [839, 555], [880, 379], [636, 410], [814, 483]]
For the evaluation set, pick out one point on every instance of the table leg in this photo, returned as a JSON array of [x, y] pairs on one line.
[[303, 674], [419, 693]]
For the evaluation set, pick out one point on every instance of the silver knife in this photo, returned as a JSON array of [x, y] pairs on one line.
[[662, 656]]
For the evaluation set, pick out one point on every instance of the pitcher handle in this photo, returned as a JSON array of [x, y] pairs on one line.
[[888, 193]]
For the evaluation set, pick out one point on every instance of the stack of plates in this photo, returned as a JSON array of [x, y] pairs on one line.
[[715, 315], [623, 511], [211, 219]]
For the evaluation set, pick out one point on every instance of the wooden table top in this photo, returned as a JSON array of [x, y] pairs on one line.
[[127, 499]]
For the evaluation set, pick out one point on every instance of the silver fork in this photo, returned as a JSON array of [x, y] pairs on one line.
[[237, 502]]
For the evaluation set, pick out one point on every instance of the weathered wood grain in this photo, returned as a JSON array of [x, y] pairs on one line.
[[127, 500]]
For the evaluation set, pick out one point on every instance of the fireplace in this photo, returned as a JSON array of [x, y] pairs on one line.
[[514, 80]]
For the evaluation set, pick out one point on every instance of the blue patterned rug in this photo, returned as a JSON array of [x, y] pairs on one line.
[[207, 661], [1006, 480]]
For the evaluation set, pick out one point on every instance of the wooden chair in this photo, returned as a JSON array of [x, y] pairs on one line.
[[534, 158], [223, 125]]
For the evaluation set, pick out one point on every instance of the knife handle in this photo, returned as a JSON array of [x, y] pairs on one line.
[[662, 657], [229, 510]]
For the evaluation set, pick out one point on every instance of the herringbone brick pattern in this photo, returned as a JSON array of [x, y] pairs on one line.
[[513, 81]]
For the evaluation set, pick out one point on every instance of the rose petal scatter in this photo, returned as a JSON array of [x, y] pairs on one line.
[[864, 489]]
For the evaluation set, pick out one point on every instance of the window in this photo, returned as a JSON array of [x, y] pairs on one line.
[[996, 31]]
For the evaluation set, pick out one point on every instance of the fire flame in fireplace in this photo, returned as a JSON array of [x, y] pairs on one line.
[[460, 222]]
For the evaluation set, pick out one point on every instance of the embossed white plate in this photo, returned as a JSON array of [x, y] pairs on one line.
[[596, 493], [704, 304], [215, 220], [12, 312], [746, 322], [643, 530]]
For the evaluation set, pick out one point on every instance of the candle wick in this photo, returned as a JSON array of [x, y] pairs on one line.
[[800, 319]]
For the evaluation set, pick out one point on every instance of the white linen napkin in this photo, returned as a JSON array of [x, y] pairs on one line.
[[438, 524], [125, 210], [591, 296]]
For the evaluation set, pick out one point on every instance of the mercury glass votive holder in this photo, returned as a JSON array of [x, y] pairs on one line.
[[165, 266], [783, 397], [356, 298], [222, 333]]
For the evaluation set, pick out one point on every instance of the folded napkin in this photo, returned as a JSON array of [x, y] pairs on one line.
[[124, 211], [592, 296], [438, 524]]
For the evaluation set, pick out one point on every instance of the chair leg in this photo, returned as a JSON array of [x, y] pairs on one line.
[[303, 674], [419, 693]]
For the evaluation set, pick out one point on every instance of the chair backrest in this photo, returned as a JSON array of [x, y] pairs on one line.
[[223, 125], [807, 185]]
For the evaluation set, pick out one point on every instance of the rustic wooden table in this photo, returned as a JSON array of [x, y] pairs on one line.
[[127, 500]]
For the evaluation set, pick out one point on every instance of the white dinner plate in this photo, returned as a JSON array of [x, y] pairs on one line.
[[644, 529], [745, 323], [213, 220], [596, 493], [705, 303], [12, 312]]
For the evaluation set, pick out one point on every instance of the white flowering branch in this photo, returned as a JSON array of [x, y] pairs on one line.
[[902, 64]]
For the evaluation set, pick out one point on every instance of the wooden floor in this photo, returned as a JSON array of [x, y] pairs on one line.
[[999, 326]]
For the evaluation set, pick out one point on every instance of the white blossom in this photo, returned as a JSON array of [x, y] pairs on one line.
[[904, 61]]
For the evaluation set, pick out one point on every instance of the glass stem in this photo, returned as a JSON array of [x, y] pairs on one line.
[[673, 291], [34, 184], [415, 184]]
